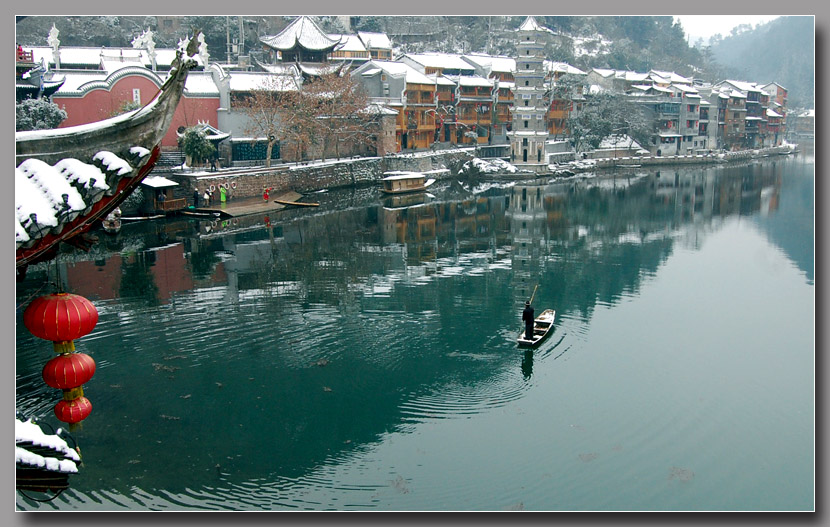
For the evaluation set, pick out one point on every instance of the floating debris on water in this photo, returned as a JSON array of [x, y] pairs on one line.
[[588, 457], [681, 474], [170, 417], [326, 389], [188, 396], [322, 362], [162, 367], [400, 485]]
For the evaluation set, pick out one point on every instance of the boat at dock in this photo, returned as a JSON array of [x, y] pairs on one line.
[[542, 326], [401, 182]]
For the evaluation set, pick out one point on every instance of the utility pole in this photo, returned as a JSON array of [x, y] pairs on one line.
[[228, 36]]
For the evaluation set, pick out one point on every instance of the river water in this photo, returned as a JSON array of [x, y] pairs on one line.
[[362, 355]]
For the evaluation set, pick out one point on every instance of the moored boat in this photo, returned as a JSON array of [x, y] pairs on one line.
[[403, 182], [542, 326]]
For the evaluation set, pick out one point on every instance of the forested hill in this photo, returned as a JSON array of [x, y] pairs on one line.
[[782, 51]]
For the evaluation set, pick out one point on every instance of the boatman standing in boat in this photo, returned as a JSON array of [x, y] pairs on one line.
[[527, 316]]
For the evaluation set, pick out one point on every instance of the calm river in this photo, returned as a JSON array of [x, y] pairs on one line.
[[362, 355]]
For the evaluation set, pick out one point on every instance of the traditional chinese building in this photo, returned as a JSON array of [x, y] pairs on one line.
[[302, 41]]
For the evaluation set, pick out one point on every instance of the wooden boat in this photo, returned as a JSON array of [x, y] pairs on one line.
[[542, 325], [403, 182], [66, 179], [296, 203]]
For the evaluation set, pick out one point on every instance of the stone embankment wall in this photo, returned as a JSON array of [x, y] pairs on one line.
[[305, 178], [691, 159]]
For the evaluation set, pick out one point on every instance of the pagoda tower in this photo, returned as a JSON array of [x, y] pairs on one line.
[[530, 131]]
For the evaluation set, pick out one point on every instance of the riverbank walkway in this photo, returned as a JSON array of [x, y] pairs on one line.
[[236, 207]]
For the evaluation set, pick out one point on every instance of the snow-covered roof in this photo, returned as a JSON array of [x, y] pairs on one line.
[[39, 190], [91, 57], [671, 76], [158, 182], [375, 40], [741, 85], [773, 113], [441, 80], [562, 67], [302, 31], [492, 63], [441, 60], [347, 42], [27, 434], [602, 72], [411, 75], [631, 76], [474, 81], [200, 83], [248, 81]]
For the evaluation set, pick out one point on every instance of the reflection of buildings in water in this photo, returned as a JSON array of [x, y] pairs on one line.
[[533, 223], [527, 218]]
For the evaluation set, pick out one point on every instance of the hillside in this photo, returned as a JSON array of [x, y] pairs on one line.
[[781, 51]]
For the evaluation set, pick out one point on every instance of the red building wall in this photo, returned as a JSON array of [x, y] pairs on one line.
[[100, 103]]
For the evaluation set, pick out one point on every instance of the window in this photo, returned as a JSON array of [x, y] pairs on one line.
[[525, 124], [526, 103], [527, 83], [526, 96]]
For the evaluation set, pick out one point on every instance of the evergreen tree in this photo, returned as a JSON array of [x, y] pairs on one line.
[[38, 114]]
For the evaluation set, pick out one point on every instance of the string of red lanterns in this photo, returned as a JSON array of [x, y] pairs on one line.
[[62, 318]]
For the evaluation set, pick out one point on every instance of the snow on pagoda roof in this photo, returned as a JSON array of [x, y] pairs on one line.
[[530, 24], [302, 32], [375, 40]]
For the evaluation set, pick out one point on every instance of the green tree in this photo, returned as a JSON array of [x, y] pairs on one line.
[[195, 144], [38, 114]]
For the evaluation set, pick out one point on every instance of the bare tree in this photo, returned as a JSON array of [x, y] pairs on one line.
[[266, 108], [339, 106]]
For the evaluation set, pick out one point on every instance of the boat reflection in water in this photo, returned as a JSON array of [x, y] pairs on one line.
[[286, 362]]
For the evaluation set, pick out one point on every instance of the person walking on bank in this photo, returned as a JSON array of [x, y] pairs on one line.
[[195, 198], [222, 194], [527, 316]]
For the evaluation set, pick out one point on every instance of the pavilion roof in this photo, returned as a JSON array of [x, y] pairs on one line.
[[303, 32]]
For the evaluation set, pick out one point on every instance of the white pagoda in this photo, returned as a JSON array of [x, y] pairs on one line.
[[530, 131]]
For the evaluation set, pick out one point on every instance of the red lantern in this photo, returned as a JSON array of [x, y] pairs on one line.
[[73, 411], [69, 370], [60, 317]]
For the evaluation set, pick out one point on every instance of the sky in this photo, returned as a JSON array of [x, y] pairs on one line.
[[704, 26]]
